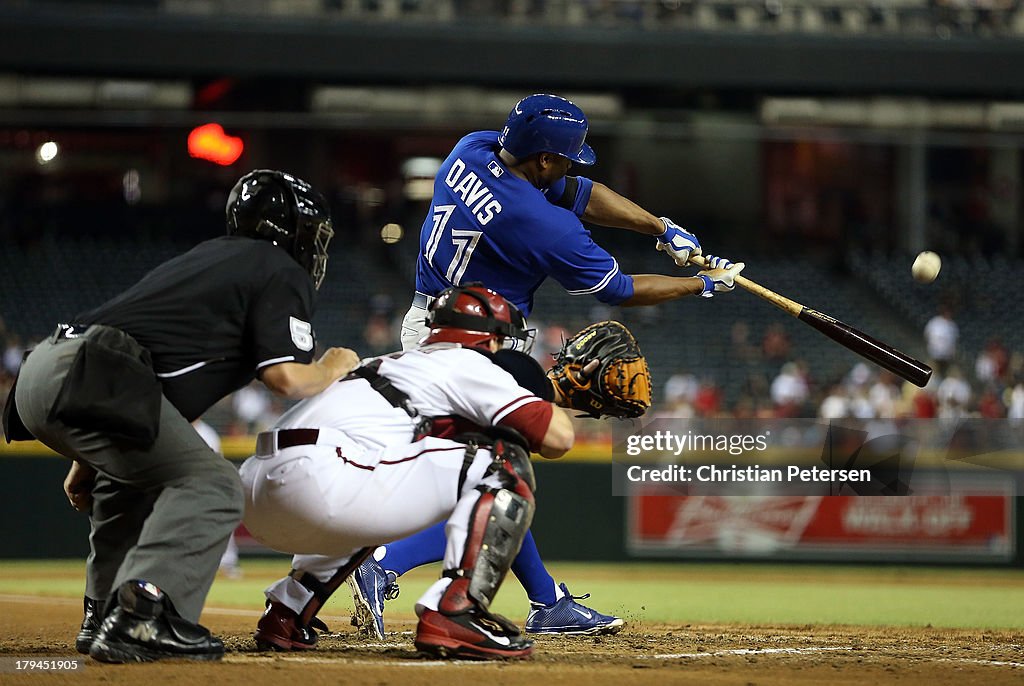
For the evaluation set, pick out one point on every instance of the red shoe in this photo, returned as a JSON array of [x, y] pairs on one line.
[[472, 635], [279, 629]]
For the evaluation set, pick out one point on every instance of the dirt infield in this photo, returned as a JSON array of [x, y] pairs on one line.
[[642, 654]]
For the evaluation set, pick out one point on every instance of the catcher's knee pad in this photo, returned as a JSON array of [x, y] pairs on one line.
[[511, 462], [510, 459], [497, 526]]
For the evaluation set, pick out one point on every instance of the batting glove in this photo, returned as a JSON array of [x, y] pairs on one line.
[[678, 243], [720, 275]]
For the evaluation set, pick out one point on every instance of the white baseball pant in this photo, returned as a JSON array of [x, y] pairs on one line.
[[325, 502]]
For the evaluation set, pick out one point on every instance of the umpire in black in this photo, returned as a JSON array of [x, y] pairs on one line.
[[116, 388]]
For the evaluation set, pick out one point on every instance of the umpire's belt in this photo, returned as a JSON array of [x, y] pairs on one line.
[[422, 300], [269, 442]]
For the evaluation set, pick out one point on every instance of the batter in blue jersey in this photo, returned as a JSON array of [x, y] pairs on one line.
[[488, 224], [506, 213]]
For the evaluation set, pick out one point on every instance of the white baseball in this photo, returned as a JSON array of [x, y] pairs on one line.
[[926, 267], [391, 233]]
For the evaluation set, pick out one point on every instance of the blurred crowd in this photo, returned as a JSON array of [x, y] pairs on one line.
[[989, 384], [12, 349], [941, 17]]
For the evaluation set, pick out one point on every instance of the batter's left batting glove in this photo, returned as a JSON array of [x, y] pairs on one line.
[[678, 243], [719, 276]]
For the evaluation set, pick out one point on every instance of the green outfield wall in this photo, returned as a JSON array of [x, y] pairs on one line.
[[579, 512], [577, 516]]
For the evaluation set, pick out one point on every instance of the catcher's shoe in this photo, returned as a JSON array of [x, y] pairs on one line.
[[90, 625], [144, 627], [371, 585], [566, 616], [473, 635], [279, 629]]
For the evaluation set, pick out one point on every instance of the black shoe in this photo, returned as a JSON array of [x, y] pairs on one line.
[[90, 625], [144, 628]]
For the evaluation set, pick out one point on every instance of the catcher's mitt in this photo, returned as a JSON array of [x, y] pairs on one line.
[[602, 372]]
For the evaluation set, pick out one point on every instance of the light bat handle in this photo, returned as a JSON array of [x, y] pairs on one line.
[[782, 302]]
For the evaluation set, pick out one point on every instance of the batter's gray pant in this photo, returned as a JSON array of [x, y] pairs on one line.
[[414, 327], [163, 514]]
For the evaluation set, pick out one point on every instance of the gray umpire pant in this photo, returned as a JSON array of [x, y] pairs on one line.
[[163, 514]]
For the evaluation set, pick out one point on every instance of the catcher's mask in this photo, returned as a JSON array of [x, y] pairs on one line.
[[473, 316], [281, 208]]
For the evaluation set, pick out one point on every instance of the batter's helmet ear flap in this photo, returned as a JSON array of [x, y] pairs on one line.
[[473, 316], [278, 207], [547, 123]]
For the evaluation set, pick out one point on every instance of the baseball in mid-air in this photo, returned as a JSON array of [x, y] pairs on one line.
[[926, 267], [391, 233]]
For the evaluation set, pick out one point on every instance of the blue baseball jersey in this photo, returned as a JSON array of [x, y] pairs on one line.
[[486, 224]]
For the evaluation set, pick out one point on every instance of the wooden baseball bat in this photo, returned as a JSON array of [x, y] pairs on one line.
[[885, 356]]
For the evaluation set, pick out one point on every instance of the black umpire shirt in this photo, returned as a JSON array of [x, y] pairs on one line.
[[212, 317]]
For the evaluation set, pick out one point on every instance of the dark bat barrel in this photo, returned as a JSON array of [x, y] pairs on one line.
[[906, 367]]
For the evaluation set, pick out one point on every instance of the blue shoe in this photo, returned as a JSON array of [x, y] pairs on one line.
[[566, 616], [371, 585]]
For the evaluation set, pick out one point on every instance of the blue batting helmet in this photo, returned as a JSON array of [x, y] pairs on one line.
[[547, 123]]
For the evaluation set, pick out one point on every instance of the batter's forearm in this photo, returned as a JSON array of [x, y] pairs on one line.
[[651, 289], [608, 208]]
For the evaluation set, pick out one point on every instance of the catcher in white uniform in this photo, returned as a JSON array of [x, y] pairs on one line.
[[355, 467]]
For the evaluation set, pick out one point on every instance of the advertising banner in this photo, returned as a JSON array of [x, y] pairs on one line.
[[956, 528]]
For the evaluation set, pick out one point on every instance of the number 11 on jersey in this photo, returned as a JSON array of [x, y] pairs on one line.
[[463, 242]]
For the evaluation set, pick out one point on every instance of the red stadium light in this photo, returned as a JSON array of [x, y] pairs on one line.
[[209, 142]]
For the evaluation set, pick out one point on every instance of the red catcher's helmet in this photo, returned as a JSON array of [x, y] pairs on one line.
[[473, 316]]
